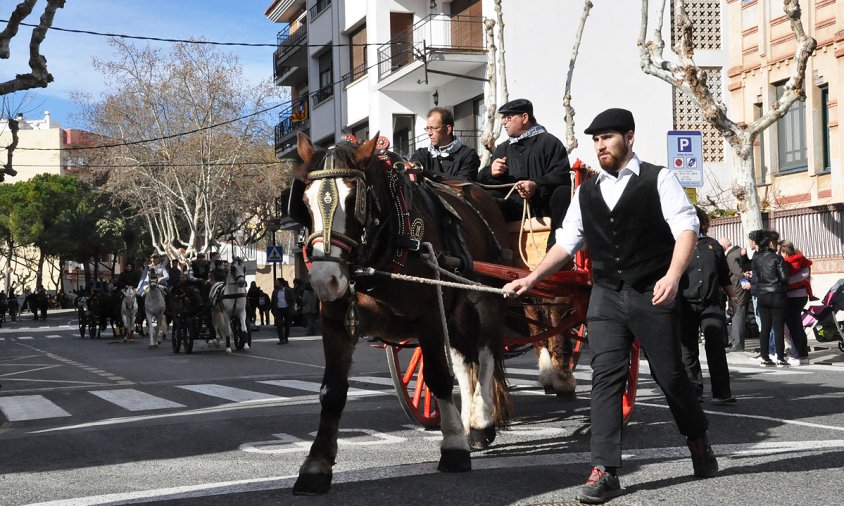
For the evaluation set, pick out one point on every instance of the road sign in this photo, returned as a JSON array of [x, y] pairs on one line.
[[275, 254], [685, 150]]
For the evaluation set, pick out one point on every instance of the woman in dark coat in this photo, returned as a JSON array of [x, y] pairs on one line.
[[771, 276]]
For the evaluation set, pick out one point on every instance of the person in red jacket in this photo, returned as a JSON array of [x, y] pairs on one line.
[[799, 291]]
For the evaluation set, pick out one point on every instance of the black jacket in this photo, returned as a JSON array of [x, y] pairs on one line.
[[706, 274], [770, 272], [542, 159], [462, 164]]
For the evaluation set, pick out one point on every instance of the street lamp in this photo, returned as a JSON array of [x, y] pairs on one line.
[[436, 97]]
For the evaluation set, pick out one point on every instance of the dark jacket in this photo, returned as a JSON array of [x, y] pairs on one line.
[[706, 274], [289, 297], [737, 269], [462, 164], [770, 272], [128, 278], [542, 159]]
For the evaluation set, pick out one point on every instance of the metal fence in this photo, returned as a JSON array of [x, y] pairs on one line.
[[817, 231]]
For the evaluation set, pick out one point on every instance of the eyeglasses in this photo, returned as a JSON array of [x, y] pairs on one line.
[[431, 129], [509, 115]]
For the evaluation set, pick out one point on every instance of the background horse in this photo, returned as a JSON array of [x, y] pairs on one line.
[[358, 207], [228, 302], [154, 307], [128, 310]]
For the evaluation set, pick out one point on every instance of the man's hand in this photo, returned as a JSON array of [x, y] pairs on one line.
[[665, 290], [519, 286], [499, 167], [526, 188]]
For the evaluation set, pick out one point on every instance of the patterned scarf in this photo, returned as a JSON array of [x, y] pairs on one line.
[[445, 151], [532, 131]]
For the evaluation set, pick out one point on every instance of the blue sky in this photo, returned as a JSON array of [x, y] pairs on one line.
[[69, 54]]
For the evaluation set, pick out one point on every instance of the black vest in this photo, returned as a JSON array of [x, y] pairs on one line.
[[631, 245]]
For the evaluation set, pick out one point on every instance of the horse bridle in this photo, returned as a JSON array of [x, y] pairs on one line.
[[329, 198]]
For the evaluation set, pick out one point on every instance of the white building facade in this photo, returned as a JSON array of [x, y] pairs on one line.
[[422, 53]]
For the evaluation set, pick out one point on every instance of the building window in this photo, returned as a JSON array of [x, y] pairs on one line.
[[326, 86], [357, 53], [791, 135], [825, 137], [403, 141], [760, 168], [687, 116]]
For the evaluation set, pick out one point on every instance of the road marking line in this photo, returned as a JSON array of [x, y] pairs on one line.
[[25, 338], [379, 473], [582, 375], [765, 370], [135, 400], [755, 417], [54, 336], [29, 370], [374, 380], [30, 407], [230, 393], [310, 386]]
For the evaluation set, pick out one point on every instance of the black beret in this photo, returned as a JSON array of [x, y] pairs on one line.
[[617, 120], [518, 106]]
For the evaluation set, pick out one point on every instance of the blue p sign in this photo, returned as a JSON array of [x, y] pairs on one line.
[[684, 144]]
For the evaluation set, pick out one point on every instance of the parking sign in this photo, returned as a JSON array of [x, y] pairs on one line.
[[685, 152]]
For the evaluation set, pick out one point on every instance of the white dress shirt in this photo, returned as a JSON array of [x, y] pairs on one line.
[[678, 212]]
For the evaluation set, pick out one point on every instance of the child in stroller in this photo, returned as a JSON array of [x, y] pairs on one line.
[[821, 318]]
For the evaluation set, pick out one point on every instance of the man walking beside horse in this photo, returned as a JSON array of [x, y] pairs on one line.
[[641, 230]]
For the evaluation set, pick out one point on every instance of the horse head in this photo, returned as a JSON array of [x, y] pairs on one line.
[[237, 272], [339, 197]]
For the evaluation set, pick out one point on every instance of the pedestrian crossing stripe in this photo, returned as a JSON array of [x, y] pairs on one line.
[[309, 386], [30, 407], [230, 393], [135, 400]]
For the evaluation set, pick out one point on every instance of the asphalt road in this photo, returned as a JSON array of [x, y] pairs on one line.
[[102, 422]]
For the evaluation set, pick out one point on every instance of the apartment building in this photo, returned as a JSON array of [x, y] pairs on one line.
[[797, 160], [422, 53]]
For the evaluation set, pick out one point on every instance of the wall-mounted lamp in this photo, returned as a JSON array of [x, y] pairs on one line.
[[436, 96]]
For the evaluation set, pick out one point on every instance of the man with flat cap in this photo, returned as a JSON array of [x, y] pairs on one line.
[[533, 159], [640, 230]]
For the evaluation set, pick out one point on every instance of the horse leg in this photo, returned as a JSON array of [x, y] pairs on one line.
[[560, 353], [454, 449], [244, 328], [315, 473]]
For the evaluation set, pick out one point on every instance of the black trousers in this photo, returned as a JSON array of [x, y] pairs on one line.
[[772, 315], [614, 318], [709, 318], [282, 322], [793, 314]]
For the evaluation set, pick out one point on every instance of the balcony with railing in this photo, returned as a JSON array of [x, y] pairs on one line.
[[293, 118], [319, 7], [291, 57], [436, 39]]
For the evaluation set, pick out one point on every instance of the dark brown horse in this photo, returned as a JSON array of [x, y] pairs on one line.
[[365, 212]]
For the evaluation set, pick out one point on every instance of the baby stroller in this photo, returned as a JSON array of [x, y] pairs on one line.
[[821, 318]]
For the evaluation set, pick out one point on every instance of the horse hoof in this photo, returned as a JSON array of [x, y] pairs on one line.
[[481, 439], [567, 396], [454, 461], [312, 484], [228, 350], [246, 347]]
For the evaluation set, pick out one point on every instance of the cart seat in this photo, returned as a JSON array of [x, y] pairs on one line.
[[535, 231]]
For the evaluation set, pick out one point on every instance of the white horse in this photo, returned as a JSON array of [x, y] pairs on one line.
[[228, 302], [128, 310], [154, 306]]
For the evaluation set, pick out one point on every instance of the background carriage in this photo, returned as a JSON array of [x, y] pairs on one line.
[[88, 315]]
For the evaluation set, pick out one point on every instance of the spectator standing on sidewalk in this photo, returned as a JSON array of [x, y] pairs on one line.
[[771, 277], [702, 309], [310, 309], [252, 303], [264, 307], [799, 292], [738, 332], [282, 303]]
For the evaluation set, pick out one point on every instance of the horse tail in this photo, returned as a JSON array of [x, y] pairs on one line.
[[502, 405]]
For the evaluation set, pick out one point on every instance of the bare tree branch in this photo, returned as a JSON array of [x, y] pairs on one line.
[[488, 136], [571, 140], [39, 77], [691, 79], [503, 94], [10, 149]]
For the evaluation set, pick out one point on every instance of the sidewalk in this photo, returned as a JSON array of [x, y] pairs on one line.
[[819, 353]]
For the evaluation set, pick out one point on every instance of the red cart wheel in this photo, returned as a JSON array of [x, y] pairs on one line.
[[629, 398], [407, 371]]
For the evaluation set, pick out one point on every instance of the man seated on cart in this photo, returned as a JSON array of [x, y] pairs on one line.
[[187, 298], [534, 161]]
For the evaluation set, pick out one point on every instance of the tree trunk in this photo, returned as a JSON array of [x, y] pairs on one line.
[[744, 190], [39, 271]]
